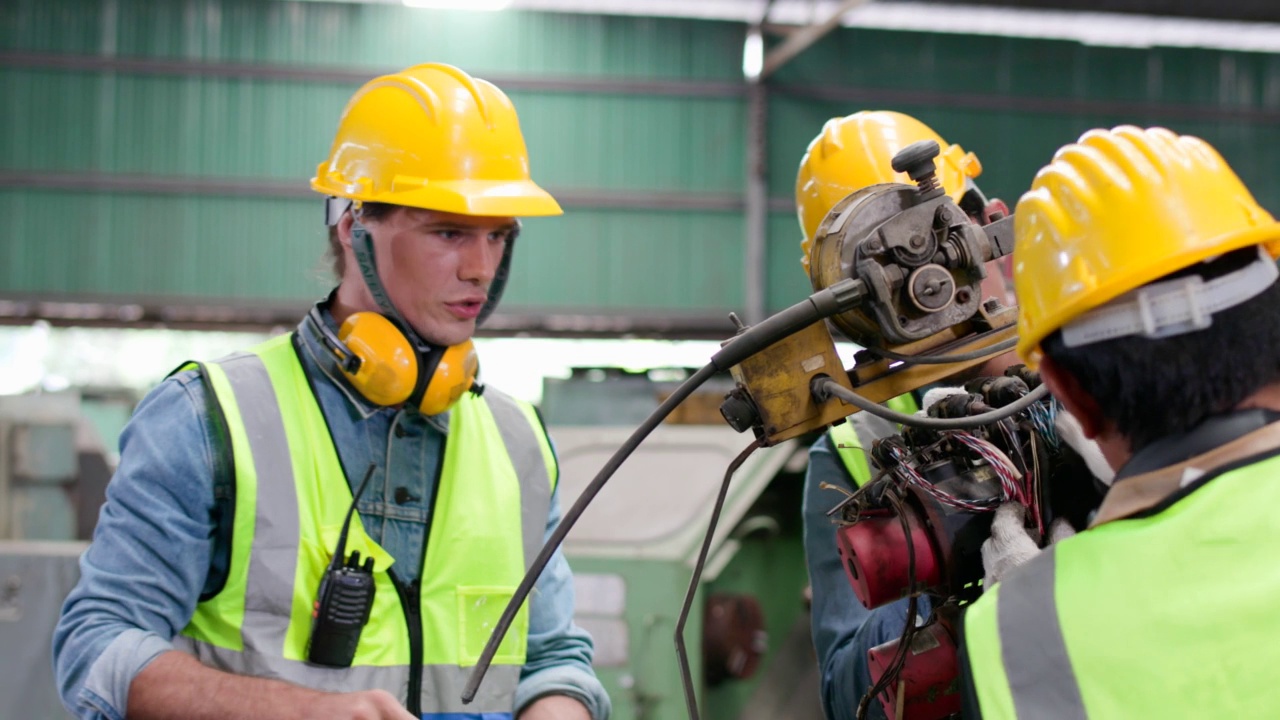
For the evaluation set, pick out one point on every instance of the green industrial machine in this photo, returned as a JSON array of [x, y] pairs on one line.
[[633, 553], [55, 461], [39, 467], [53, 473]]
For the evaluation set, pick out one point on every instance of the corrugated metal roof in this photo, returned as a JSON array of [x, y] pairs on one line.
[[1063, 19]]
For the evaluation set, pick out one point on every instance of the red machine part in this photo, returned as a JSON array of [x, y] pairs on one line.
[[874, 551], [928, 684]]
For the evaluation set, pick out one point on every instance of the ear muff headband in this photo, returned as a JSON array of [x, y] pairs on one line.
[[362, 246], [430, 360]]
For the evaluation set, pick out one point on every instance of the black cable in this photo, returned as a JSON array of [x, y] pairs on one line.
[[908, 632], [749, 341], [570, 518], [825, 387], [686, 677], [823, 304], [999, 347]]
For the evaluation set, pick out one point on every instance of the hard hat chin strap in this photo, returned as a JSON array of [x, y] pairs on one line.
[[500, 277], [362, 247]]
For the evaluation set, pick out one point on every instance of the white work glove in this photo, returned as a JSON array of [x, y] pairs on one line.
[[1010, 544], [1073, 435], [936, 395]]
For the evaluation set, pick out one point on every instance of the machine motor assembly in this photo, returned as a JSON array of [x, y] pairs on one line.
[[918, 526], [919, 254], [910, 262]]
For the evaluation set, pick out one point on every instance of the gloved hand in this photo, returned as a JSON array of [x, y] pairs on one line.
[[936, 395], [1010, 544]]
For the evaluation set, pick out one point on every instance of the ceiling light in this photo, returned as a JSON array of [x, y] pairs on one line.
[[753, 54], [485, 5]]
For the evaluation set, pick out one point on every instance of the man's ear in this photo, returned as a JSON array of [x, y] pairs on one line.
[[344, 229], [1066, 388]]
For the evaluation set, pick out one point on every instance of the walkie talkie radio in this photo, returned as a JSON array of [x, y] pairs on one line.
[[343, 601]]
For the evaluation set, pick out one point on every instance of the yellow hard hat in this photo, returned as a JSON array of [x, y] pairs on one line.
[[1116, 211], [854, 152], [433, 137]]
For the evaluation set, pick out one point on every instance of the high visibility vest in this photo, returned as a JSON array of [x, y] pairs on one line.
[[1170, 615], [848, 446], [487, 523]]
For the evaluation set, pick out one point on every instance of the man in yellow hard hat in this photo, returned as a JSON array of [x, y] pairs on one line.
[[328, 525], [852, 153], [1146, 280]]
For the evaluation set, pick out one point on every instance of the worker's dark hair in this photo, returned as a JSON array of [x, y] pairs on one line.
[[1153, 389], [337, 262]]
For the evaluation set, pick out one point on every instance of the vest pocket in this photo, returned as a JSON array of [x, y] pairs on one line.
[[479, 608]]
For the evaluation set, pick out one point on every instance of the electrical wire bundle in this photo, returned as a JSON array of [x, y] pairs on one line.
[[942, 477]]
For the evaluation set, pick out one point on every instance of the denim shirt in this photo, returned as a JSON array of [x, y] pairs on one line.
[[843, 630], [157, 545]]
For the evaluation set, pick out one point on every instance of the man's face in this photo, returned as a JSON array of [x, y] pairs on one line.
[[437, 267]]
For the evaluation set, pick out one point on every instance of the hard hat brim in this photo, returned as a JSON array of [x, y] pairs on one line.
[[521, 198]]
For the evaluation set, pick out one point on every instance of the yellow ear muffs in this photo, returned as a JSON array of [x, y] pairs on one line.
[[380, 362], [388, 369], [454, 375]]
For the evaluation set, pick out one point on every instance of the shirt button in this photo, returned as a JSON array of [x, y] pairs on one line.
[[403, 496], [400, 431]]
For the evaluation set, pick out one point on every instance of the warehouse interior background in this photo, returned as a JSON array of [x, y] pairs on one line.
[[154, 161]]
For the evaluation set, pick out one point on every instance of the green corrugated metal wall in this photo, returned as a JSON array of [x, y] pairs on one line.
[[1014, 101], [216, 101], [358, 35], [204, 121], [97, 122]]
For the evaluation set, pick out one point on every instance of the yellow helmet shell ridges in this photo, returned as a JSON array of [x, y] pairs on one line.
[[855, 152], [433, 137], [1117, 210]]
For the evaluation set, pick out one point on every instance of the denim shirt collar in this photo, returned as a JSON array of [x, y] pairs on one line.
[[317, 356]]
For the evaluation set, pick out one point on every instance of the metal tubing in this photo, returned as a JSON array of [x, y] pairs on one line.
[[755, 275], [802, 39]]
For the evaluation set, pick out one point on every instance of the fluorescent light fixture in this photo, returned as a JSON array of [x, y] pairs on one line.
[[483, 5], [753, 54], [1089, 28]]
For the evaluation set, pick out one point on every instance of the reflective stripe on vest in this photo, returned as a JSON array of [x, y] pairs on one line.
[[1032, 653], [848, 446], [496, 480], [1168, 615]]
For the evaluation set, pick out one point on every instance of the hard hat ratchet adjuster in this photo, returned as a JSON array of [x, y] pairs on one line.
[[1171, 307]]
